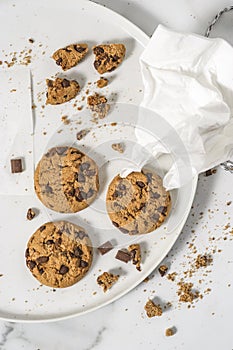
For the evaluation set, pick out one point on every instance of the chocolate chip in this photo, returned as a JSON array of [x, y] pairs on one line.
[[162, 210], [98, 50], [16, 166], [79, 49], [83, 263], [50, 83], [65, 83], [97, 63], [42, 259], [122, 187], [117, 194], [49, 241], [27, 253], [123, 255], [84, 166], [63, 270], [140, 184], [90, 193], [123, 230], [42, 228], [67, 50], [91, 172], [115, 58], [48, 189], [155, 195], [81, 134], [81, 234], [41, 271], [149, 177], [79, 197], [30, 214], [71, 192], [155, 217], [61, 150], [58, 242], [31, 264], [78, 252], [51, 152], [105, 247], [80, 177], [133, 232], [112, 69], [83, 195], [59, 61], [115, 224], [133, 254]]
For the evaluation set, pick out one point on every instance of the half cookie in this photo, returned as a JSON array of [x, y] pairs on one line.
[[66, 180], [61, 90], [108, 57], [139, 203], [70, 56], [59, 254]]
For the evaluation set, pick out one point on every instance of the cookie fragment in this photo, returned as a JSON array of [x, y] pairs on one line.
[[118, 147], [98, 105], [108, 57], [105, 247], [102, 82], [30, 214], [153, 309], [135, 252], [82, 133], [169, 332], [59, 254], [16, 166], [162, 270], [70, 55], [61, 90], [106, 280]]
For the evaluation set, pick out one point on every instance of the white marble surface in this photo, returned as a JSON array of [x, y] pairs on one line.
[[123, 324]]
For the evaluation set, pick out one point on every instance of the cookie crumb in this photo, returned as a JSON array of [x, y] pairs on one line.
[[153, 309], [169, 332], [106, 280], [119, 147], [98, 105], [162, 270], [210, 172], [102, 82], [172, 276], [30, 214], [202, 261], [65, 120], [31, 40], [82, 133], [135, 252], [185, 292], [146, 279], [229, 203]]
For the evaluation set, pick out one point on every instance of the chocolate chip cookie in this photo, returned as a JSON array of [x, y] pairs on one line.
[[139, 203], [59, 254], [61, 90], [70, 56], [108, 57], [66, 180]]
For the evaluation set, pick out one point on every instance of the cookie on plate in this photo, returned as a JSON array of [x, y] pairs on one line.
[[139, 203], [59, 254], [66, 180], [61, 90], [108, 57], [69, 56]]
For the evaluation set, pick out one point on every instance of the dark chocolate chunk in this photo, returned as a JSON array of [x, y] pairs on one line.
[[155, 195], [115, 58], [16, 166], [133, 232], [122, 187], [31, 264], [30, 214], [123, 255], [117, 194], [83, 263], [65, 83], [42, 228], [71, 192], [149, 177], [84, 166], [97, 63], [79, 49], [27, 253], [67, 50], [49, 241], [42, 259], [115, 224], [63, 269], [78, 195], [51, 152], [80, 177], [81, 234], [105, 247], [91, 172], [58, 242], [90, 193], [162, 210], [83, 195], [140, 184], [59, 61], [78, 252], [41, 270], [61, 150], [48, 189], [155, 217], [98, 50], [210, 172], [50, 83], [123, 230]]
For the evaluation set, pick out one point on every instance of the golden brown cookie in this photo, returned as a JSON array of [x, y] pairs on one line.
[[98, 105], [66, 180], [70, 55], [59, 254], [108, 57], [61, 90], [139, 203]]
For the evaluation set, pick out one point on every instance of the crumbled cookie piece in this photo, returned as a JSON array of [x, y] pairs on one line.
[[135, 252], [82, 133], [169, 332], [65, 120], [16, 166], [106, 280], [152, 309], [202, 261], [172, 276], [185, 292], [108, 57], [70, 56], [163, 270], [102, 82], [30, 214], [61, 90], [119, 147], [98, 105]]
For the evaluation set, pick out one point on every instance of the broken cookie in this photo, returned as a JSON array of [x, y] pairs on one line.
[[98, 105], [152, 309], [135, 253], [108, 57], [106, 280], [102, 82], [61, 90], [70, 56]]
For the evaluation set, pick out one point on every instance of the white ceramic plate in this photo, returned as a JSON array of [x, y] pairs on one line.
[[53, 24]]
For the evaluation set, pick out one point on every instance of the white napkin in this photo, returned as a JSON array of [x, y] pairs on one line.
[[188, 82], [16, 131]]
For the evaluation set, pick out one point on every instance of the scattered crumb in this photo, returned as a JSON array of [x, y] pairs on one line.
[[185, 292], [1, 274], [202, 261], [119, 147], [102, 82], [80, 108], [146, 279], [1, 63], [152, 309], [106, 280], [82, 133], [98, 105], [30, 214], [31, 40], [169, 332], [65, 120], [229, 203], [163, 270], [172, 276]]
